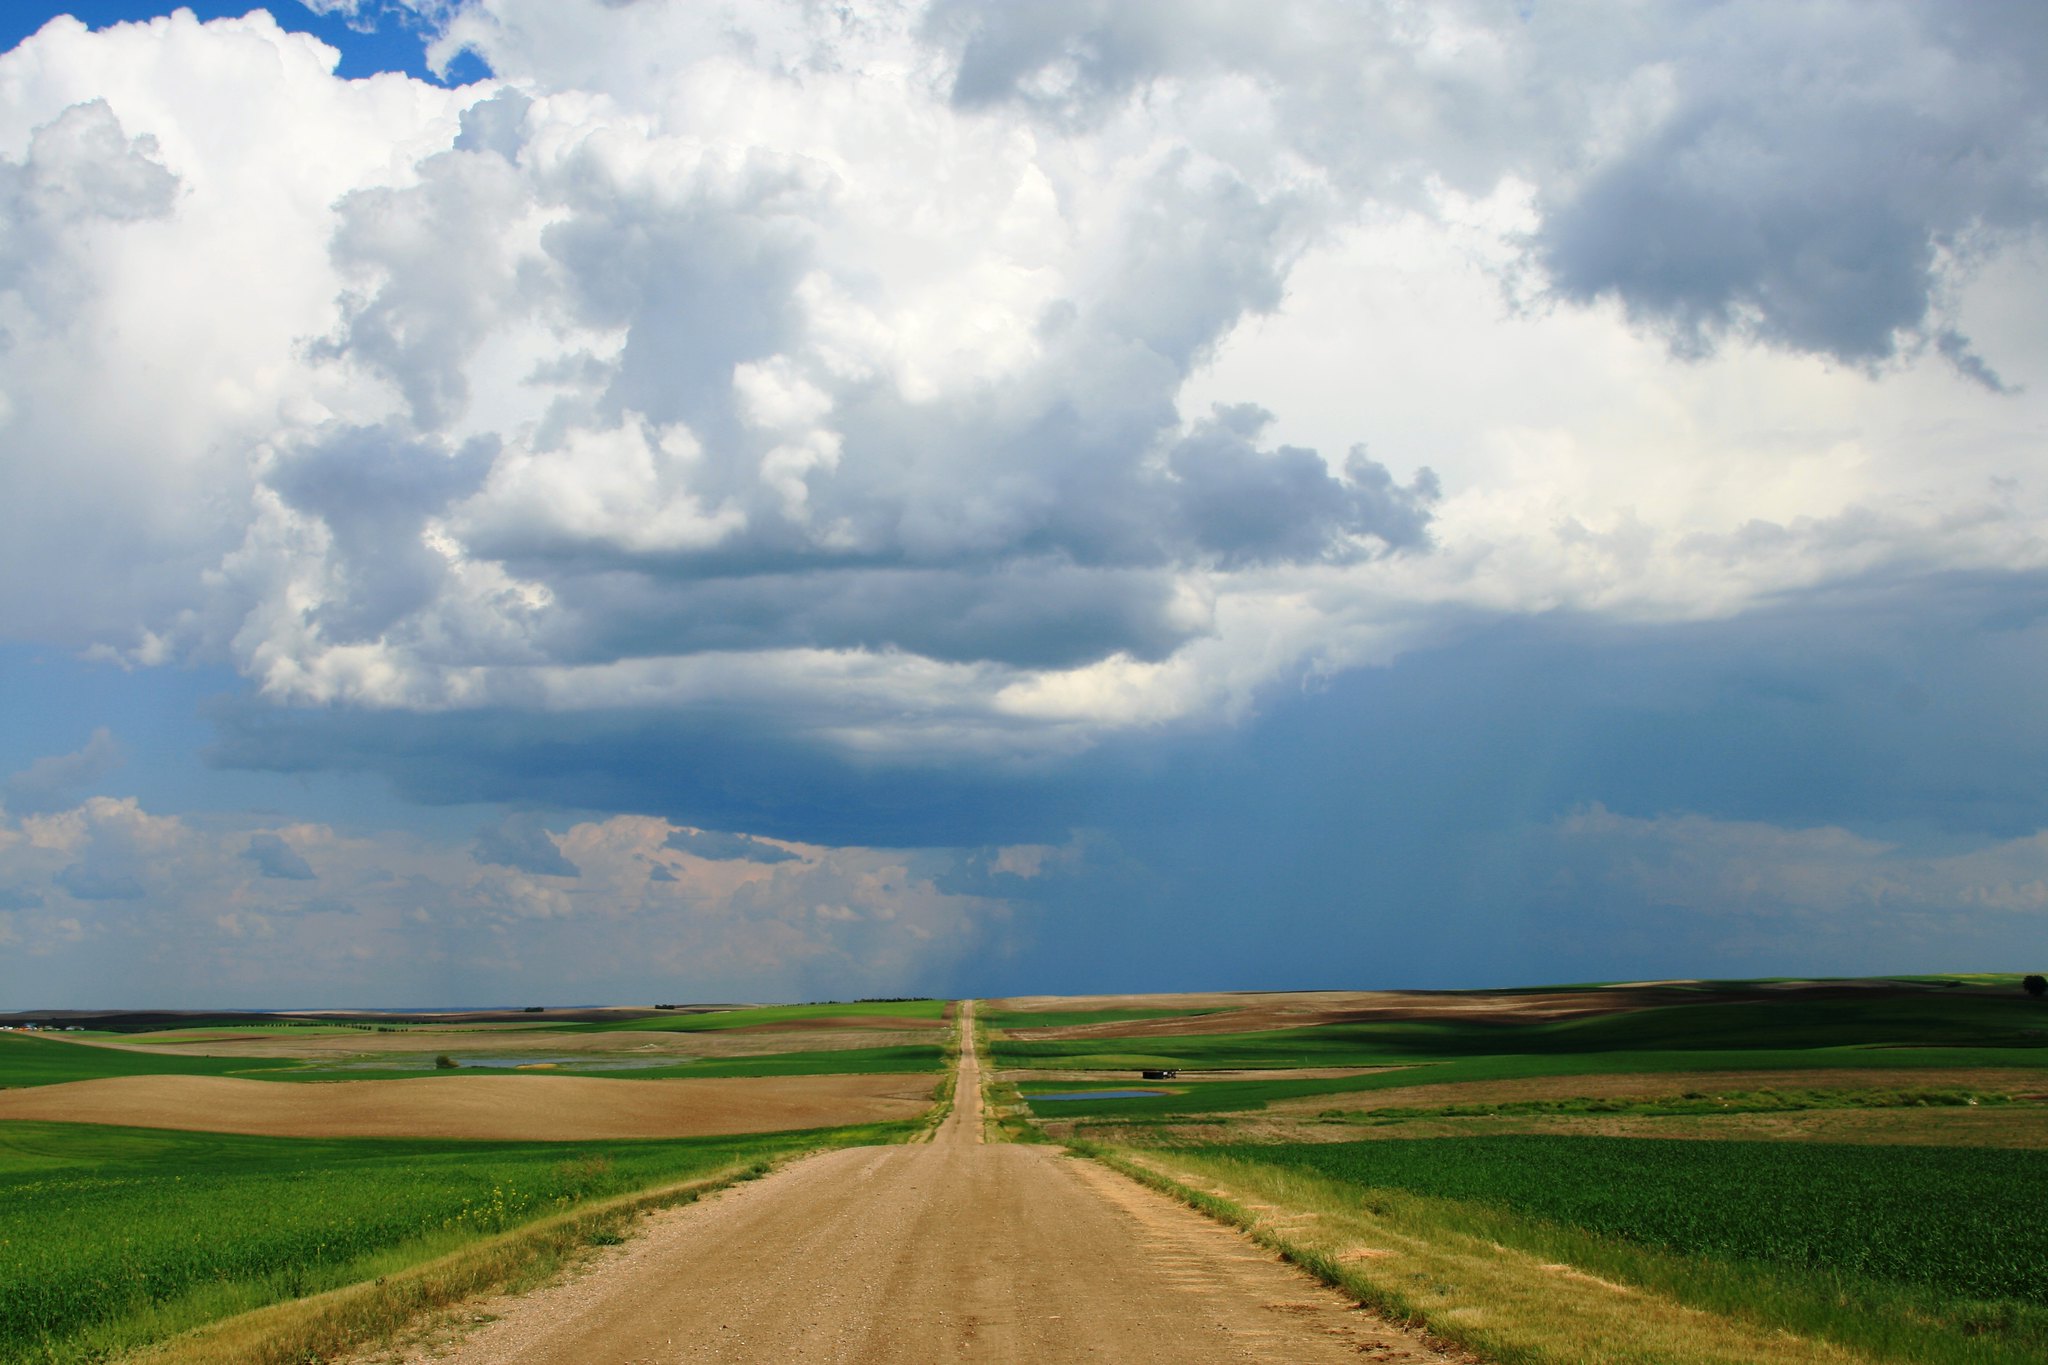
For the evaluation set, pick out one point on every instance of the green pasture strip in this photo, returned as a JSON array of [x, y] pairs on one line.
[[1016, 1019], [113, 1236], [904, 1059], [28, 1060], [1964, 1221], [1786, 1100], [1201, 1096], [922, 1011], [1916, 1020], [1521, 1288]]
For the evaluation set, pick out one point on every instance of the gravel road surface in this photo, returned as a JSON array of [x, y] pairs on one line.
[[953, 1250]]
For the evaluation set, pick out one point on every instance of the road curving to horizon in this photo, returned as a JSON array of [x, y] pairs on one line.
[[952, 1250]]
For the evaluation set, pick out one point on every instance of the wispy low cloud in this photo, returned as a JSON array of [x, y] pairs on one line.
[[1703, 865], [59, 779], [105, 894]]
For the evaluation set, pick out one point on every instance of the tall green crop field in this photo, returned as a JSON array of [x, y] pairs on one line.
[[114, 1236], [1967, 1222]]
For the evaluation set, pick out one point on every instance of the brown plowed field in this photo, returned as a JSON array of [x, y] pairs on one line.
[[530, 1108]]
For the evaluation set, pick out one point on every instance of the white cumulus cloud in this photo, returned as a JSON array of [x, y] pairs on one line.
[[966, 379]]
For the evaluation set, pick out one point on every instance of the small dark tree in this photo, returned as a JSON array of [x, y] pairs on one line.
[[446, 1063], [2036, 985]]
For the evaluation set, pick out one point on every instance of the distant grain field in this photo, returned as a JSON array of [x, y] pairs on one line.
[[527, 1108]]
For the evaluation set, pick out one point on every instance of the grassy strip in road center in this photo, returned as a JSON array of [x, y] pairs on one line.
[[113, 1237]]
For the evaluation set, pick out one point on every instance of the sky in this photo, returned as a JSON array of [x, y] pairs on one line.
[[581, 501]]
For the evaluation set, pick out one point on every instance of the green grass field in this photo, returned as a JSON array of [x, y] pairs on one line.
[[1964, 1221], [1935, 1019], [1930, 1030], [28, 1060], [903, 1059], [110, 1237], [1923, 1254], [1218, 1097], [1783, 1100]]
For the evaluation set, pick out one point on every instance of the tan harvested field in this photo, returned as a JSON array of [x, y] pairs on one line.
[[531, 1108]]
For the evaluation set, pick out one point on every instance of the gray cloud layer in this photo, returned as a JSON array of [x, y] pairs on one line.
[[1804, 174], [1809, 174]]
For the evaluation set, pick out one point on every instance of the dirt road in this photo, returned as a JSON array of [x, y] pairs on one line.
[[950, 1251]]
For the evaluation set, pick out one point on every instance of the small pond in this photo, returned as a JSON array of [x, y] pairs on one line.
[[1095, 1095]]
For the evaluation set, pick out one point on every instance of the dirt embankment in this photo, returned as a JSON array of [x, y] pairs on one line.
[[529, 1108]]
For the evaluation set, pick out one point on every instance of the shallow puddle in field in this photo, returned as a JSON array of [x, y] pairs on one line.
[[1095, 1095]]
